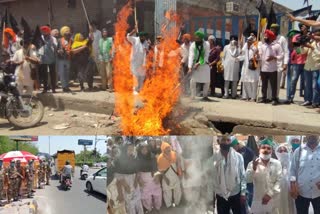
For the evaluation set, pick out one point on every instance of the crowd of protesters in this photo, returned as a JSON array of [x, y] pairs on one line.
[[220, 174], [62, 55]]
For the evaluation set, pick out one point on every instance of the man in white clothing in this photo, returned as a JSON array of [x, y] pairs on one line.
[[97, 35], [140, 48], [184, 52], [229, 179], [265, 174], [198, 65], [231, 66], [282, 63]]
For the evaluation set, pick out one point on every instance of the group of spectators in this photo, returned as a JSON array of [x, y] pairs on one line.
[[218, 174]]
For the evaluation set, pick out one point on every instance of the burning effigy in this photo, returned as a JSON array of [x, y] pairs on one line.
[[160, 91]]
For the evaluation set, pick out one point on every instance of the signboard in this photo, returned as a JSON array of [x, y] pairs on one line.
[[24, 138], [85, 142]]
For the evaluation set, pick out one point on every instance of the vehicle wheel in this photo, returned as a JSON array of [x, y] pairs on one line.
[[89, 187], [18, 121]]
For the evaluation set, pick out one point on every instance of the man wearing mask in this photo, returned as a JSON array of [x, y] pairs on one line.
[[265, 174], [48, 59], [295, 142], [283, 63], [12, 177], [140, 48], [184, 52], [305, 176], [198, 67], [283, 153], [270, 53], [229, 179], [64, 57], [231, 66], [21, 172], [29, 178]]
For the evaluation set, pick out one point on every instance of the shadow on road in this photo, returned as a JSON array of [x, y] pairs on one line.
[[97, 196]]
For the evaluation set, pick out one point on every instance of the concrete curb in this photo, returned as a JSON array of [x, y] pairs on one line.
[[292, 127]]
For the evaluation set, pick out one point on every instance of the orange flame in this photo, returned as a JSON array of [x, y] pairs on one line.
[[160, 91]]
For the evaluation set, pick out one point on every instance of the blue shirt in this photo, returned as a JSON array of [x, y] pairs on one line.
[[307, 170]]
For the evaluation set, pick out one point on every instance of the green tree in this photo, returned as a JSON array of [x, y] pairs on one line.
[[7, 145]]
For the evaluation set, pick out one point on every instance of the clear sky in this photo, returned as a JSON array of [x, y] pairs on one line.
[[69, 143], [297, 4]]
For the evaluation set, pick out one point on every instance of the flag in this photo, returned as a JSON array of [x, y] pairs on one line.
[[247, 27], [272, 19], [14, 24], [37, 38], [263, 18], [4, 20], [27, 34], [262, 8]]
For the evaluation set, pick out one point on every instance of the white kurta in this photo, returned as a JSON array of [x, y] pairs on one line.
[[23, 72], [112, 194], [174, 185], [230, 63], [266, 180], [248, 75], [138, 56], [202, 74], [133, 198]]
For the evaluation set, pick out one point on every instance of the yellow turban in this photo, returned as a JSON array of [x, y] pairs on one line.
[[64, 30]]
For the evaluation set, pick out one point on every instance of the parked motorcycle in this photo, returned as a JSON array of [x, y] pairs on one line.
[[66, 183], [22, 111]]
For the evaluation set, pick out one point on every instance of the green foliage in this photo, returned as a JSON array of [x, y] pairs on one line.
[[7, 145], [89, 157]]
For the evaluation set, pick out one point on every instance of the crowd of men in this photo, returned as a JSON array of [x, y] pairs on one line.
[[17, 181], [223, 174], [59, 53], [277, 61]]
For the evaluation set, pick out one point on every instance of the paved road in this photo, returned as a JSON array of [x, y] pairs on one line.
[[52, 200]]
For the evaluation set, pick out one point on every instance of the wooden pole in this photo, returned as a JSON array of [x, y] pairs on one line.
[[49, 12], [135, 15], [258, 39], [85, 12]]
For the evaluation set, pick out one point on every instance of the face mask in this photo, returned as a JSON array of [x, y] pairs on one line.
[[312, 141], [283, 157], [198, 43], [234, 43], [265, 157], [295, 145], [267, 40], [225, 147]]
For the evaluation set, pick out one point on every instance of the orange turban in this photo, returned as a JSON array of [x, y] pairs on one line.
[[45, 29], [186, 36], [12, 34], [270, 35], [165, 161]]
